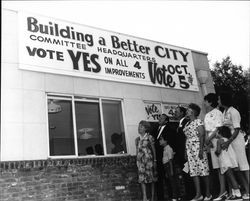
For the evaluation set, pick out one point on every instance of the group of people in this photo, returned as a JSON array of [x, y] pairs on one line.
[[191, 147]]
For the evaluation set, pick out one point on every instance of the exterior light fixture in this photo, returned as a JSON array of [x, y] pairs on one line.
[[202, 75]]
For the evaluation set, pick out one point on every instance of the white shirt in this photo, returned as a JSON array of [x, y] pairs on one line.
[[181, 121], [231, 118], [168, 154], [159, 134], [213, 120]]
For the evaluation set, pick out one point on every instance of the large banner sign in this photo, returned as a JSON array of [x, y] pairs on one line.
[[55, 46]]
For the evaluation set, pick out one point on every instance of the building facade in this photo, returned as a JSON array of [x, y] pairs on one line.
[[72, 98]]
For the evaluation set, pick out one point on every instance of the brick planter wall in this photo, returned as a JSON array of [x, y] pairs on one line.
[[88, 179]]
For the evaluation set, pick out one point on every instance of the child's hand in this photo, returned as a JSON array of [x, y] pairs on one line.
[[210, 145], [185, 156], [225, 145], [201, 154]]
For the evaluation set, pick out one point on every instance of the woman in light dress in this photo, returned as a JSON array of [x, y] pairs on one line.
[[231, 118], [228, 161], [212, 121]]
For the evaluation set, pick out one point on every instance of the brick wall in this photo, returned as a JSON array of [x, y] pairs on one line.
[[88, 179]]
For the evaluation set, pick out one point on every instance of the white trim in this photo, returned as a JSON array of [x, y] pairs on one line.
[[74, 126], [47, 124], [102, 126], [125, 127]]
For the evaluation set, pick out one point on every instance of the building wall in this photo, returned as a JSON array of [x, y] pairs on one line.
[[24, 134]]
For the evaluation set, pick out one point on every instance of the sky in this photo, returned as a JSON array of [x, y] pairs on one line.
[[218, 28]]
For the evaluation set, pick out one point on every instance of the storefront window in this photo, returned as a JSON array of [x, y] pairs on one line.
[[82, 126], [88, 126], [61, 134], [114, 129]]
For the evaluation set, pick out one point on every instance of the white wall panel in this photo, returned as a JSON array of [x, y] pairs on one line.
[[58, 83], [134, 111], [151, 93], [34, 106], [35, 144], [110, 89], [12, 141], [12, 105], [87, 87], [132, 91], [33, 80]]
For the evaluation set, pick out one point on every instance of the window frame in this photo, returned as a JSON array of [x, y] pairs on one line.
[[81, 98]]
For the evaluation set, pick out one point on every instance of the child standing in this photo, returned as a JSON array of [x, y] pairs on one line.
[[227, 161], [167, 161]]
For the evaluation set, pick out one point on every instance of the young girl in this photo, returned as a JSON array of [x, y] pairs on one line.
[[227, 161], [167, 161]]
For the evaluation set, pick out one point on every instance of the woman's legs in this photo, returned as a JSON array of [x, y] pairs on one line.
[[244, 178], [232, 179], [222, 182], [144, 193], [246, 175], [206, 181], [152, 191], [234, 183], [197, 187]]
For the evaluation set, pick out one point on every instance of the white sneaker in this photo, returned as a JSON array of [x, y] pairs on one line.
[[208, 198], [221, 197], [245, 196], [234, 198]]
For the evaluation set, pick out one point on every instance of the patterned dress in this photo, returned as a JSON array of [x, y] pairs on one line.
[[145, 163], [197, 166], [227, 159]]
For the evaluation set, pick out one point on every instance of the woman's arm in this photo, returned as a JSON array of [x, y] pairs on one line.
[[171, 167], [136, 144], [226, 144], [201, 133], [153, 150], [219, 149], [212, 135]]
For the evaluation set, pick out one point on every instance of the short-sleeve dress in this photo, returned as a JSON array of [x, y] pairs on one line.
[[227, 159], [197, 166], [145, 160], [213, 120], [231, 118]]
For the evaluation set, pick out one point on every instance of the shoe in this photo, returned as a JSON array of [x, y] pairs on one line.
[[221, 197], [245, 196], [208, 198], [198, 199], [234, 198]]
